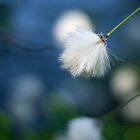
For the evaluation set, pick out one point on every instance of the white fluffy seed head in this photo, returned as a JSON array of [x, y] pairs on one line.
[[85, 54], [84, 128]]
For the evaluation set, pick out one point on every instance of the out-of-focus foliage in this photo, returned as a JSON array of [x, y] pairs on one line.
[[5, 126], [115, 129]]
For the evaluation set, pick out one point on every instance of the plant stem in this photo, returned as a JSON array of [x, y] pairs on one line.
[[127, 101], [120, 24]]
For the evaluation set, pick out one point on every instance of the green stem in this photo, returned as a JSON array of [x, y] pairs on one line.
[[127, 101], [126, 19]]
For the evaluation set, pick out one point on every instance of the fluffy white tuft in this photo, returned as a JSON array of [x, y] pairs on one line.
[[84, 128], [85, 53]]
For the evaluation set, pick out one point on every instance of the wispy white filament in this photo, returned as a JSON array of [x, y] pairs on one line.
[[85, 53]]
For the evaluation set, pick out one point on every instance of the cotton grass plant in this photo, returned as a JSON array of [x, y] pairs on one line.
[[86, 53]]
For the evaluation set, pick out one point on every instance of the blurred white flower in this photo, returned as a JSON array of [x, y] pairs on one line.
[[67, 22], [85, 53], [25, 93], [124, 82], [84, 128], [132, 110]]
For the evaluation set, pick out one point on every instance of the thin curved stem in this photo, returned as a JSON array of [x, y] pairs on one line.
[[120, 24], [7, 38], [127, 101]]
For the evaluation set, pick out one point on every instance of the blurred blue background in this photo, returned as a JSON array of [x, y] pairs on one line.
[[37, 97]]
